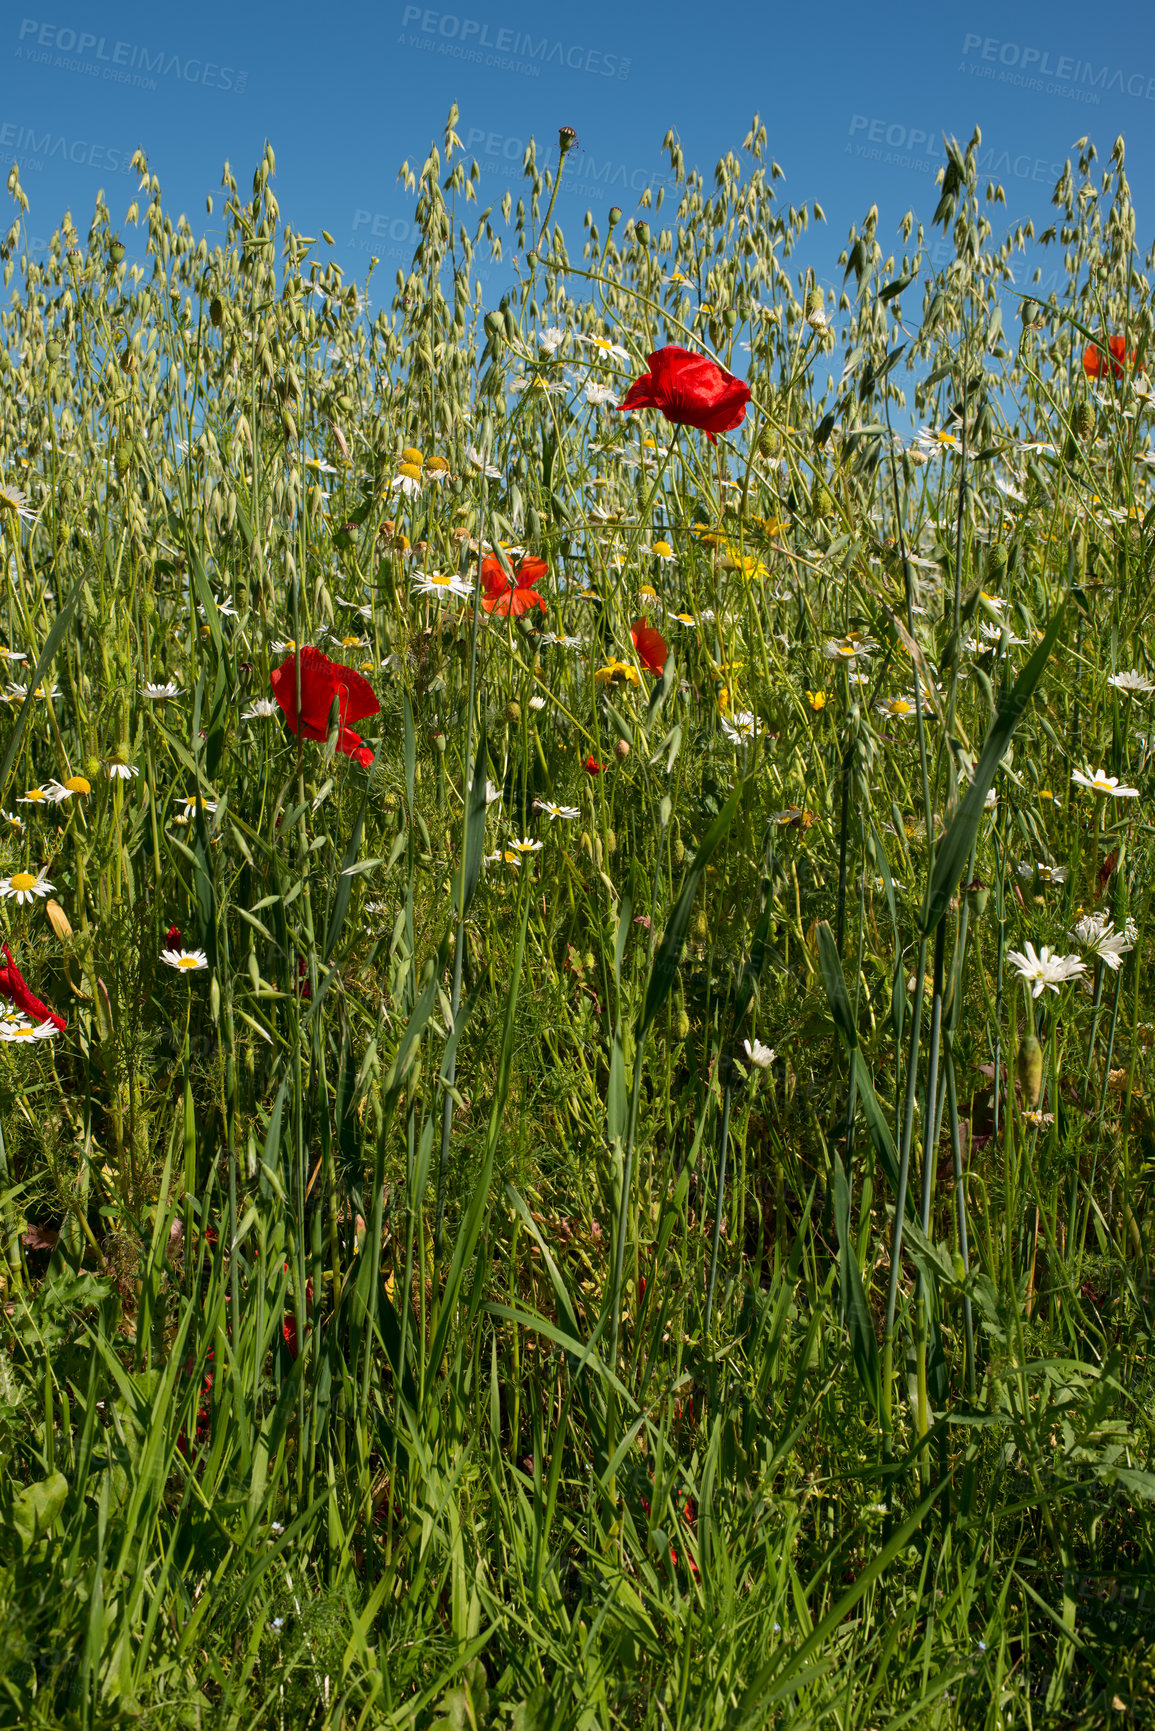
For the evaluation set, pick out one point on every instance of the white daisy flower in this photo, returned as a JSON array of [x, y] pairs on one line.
[[936, 442], [482, 464], [599, 395], [1047, 874], [606, 348], [159, 692], [759, 1055], [1098, 781], [551, 809], [523, 844], [119, 770], [261, 710], [59, 791], [847, 648], [408, 485], [1131, 682], [897, 709], [15, 500], [1096, 932], [443, 585], [551, 339], [12, 655], [1045, 970], [25, 887], [15, 1030], [192, 961], [740, 728]]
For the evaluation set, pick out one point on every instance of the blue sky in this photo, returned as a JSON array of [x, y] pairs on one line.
[[855, 98]]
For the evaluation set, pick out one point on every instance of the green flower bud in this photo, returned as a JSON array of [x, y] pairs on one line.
[[1031, 1071]]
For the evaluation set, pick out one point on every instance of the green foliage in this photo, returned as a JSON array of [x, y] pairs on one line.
[[476, 1297]]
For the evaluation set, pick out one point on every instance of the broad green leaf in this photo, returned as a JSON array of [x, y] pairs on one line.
[[665, 969], [37, 1506], [863, 1345], [954, 850], [205, 597], [876, 1124], [473, 840], [473, 1219], [410, 749]]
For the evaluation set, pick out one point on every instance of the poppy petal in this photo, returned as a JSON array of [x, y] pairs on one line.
[[360, 699], [318, 688], [690, 390], [650, 645], [520, 601], [530, 571]]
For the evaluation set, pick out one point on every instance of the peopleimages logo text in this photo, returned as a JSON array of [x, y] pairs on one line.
[[49, 146], [118, 62], [509, 50], [1032, 68]]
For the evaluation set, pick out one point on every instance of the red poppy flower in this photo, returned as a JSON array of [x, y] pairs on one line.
[[13, 987], [691, 390], [505, 595], [172, 937], [591, 765], [289, 1325], [650, 645], [1095, 362], [321, 681]]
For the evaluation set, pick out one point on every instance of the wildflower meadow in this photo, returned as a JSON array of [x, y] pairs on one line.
[[576, 1130]]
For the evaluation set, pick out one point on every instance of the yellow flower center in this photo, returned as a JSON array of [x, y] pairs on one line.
[[77, 784], [412, 471], [35, 793], [22, 881], [663, 549], [187, 962], [412, 455]]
